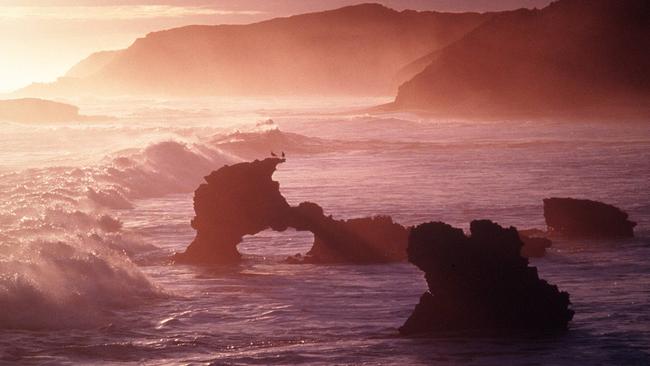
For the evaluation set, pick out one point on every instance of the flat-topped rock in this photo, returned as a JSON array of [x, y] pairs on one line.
[[34, 110], [580, 218]]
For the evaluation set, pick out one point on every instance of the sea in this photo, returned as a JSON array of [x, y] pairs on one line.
[[91, 212]]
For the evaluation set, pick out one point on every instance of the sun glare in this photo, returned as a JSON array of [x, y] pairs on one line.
[[41, 42]]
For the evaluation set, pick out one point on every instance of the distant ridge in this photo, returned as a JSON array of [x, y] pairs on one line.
[[573, 58], [92, 64], [582, 58], [355, 50]]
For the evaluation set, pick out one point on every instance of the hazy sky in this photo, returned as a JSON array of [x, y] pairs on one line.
[[41, 39]]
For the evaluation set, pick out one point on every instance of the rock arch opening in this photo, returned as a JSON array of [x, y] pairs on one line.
[[276, 243]]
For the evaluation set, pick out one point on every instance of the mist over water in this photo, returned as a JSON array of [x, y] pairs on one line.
[[89, 214]]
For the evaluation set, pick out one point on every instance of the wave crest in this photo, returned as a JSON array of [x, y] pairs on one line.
[[64, 253]]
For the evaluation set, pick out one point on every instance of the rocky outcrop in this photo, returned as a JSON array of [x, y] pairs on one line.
[[535, 243], [34, 110], [237, 200], [362, 240], [581, 218], [243, 199], [480, 282], [30, 110]]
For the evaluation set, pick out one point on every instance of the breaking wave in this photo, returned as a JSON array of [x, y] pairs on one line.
[[65, 257]]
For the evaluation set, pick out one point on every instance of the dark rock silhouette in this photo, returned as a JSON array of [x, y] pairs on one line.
[[573, 58], [535, 243], [579, 218], [361, 240], [243, 199], [480, 282], [237, 200]]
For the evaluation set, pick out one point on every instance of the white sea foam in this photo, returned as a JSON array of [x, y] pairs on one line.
[[64, 255]]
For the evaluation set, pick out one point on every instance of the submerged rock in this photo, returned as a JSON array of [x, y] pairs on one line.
[[243, 199], [579, 218], [480, 282]]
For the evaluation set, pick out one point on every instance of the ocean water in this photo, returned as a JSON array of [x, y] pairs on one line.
[[90, 213]]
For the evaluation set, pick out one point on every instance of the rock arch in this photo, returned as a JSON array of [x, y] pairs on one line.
[[243, 199]]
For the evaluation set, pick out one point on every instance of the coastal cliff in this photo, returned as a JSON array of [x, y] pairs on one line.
[[573, 58]]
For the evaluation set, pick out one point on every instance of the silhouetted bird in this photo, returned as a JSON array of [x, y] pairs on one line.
[[273, 154], [283, 155]]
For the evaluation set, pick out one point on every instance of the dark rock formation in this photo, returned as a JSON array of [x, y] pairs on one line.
[[535, 243], [361, 240], [579, 218], [480, 282], [243, 199], [237, 200]]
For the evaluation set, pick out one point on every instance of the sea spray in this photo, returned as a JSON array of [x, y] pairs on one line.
[[65, 259], [73, 282]]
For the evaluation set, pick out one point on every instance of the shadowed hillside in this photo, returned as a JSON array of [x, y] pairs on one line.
[[355, 50], [572, 58]]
